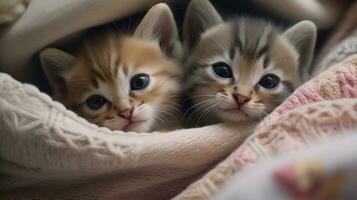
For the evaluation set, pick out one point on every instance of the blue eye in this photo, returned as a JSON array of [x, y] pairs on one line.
[[139, 82], [269, 81], [222, 70], [96, 102]]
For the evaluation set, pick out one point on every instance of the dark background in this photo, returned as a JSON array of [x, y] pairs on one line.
[[228, 9]]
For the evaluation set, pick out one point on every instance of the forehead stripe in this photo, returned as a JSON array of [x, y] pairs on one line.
[[257, 44]]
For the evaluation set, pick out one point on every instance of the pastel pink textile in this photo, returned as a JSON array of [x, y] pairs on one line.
[[313, 92], [342, 83], [320, 109]]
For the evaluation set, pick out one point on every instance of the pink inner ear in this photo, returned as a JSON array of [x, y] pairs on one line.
[[159, 24], [165, 31]]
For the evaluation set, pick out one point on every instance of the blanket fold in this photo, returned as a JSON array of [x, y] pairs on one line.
[[317, 111], [47, 152], [44, 145]]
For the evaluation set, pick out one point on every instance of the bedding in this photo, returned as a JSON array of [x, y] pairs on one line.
[[46, 149], [342, 32], [322, 171], [52, 21], [336, 77], [308, 116], [11, 10], [47, 152], [325, 14]]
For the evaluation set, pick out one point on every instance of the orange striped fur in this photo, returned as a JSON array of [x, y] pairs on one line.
[[106, 65]]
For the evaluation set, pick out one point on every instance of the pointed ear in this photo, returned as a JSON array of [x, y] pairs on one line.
[[200, 16], [303, 37], [55, 63], [159, 24]]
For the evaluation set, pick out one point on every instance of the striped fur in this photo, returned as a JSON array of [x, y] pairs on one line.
[[105, 64], [252, 48]]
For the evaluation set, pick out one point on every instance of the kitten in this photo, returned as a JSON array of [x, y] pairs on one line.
[[123, 82], [243, 68]]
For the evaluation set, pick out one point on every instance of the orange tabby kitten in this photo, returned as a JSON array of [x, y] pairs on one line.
[[122, 82]]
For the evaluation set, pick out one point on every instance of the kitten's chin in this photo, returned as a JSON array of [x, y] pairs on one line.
[[138, 126], [129, 126], [235, 115]]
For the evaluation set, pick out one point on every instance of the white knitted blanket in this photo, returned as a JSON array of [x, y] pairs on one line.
[[47, 152], [46, 147]]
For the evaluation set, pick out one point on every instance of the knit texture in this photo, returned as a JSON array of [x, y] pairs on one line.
[[306, 117], [321, 171], [48, 152]]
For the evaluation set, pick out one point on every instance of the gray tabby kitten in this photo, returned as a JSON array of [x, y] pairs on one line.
[[243, 68]]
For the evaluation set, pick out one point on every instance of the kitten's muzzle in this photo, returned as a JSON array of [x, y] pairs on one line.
[[127, 113], [240, 99]]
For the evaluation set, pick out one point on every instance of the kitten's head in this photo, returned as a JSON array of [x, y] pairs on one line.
[[120, 82], [243, 68]]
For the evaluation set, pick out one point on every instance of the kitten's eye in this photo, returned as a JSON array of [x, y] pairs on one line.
[[139, 82], [96, 102], [269, 81], [222, 70]]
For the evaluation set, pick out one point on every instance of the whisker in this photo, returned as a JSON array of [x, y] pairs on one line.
[[203, 108], [197, 111], [161, 120], [168, 114], [199, 105], [190, 98], [211, 107]]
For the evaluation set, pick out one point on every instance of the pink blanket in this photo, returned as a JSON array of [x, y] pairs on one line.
[[316, 111]]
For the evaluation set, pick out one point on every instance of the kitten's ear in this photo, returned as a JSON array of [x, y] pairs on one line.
[[55, 63], [159, 24], [200, 16], [303, 37]]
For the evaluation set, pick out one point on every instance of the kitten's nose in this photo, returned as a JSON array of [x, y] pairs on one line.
[[127, 113], [240, 99]]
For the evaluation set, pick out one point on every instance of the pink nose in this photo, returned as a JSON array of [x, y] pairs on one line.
[[127, 113], [240, 99]]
